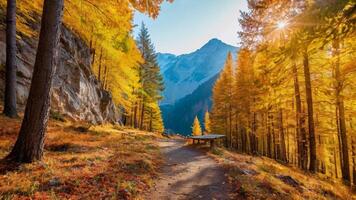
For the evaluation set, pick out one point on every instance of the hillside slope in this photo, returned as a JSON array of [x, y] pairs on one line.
[[100, 162], [178, 118]]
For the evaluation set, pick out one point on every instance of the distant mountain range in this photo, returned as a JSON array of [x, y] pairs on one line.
[[189, 79], [183, 74], [178, 118]]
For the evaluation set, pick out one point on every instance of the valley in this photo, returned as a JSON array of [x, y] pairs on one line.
[[188, 81]]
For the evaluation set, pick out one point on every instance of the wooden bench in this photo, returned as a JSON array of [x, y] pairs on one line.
[[209, 137]]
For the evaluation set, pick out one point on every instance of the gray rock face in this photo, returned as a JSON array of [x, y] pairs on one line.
[[76, 93]]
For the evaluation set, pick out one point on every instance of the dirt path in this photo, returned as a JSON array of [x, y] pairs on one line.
[[188, 174]]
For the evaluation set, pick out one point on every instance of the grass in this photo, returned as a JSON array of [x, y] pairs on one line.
[[56, 116], [263, 178], [102, 162]]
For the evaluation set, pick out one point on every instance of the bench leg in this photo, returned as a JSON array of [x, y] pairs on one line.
[[212, 144]]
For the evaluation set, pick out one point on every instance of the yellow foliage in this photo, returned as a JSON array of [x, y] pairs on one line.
[[103, 25], [207, 123], [196, 127]]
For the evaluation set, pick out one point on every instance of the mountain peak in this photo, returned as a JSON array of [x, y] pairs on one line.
[[215, 40], [184, 73], [214, 43]]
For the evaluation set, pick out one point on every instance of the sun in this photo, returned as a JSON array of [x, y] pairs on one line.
[[281, 24]]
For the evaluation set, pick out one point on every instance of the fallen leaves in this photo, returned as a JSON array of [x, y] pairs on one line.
[[263, 178], [100, 162]]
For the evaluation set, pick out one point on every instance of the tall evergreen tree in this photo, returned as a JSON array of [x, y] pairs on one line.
[[151, 80]]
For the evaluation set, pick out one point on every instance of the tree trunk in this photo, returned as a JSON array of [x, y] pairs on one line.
[[100, 63], [230, 126], [274, 145], [282, 142], [254, 128], [263, 136], [300, 129], [142, 115], [345, 164], [309, 97], [237, 131], [135, 117], [151, 116], [105, 84], [354, 161], [269, 138], [335, 158], [30, 142], [94, 52], [11, 68]]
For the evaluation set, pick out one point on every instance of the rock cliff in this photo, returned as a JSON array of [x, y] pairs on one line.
[[76, 93]]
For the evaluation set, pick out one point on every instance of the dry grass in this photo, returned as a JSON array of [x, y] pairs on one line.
[[82, 162], [264, 178]]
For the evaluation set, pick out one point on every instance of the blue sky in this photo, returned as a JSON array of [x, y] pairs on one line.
[[186, 25]]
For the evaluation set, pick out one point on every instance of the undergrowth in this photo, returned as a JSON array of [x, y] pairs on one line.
[[100, 162], [263, 178]]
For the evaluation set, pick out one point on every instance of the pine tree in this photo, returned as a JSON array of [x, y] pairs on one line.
[[151, 80], [196, 129], [207, 123]]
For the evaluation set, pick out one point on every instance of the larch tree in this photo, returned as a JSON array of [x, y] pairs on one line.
[[310, 108], [10, 109], [151, 7], [222, 110], [243, 100], [217, 113], [339, 27], [196, 128], [300, 117], [30, 142], [297, 103], [207, 123]]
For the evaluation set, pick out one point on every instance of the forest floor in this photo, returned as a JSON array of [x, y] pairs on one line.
[[81, 162], [111, 162], [254, 177]]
